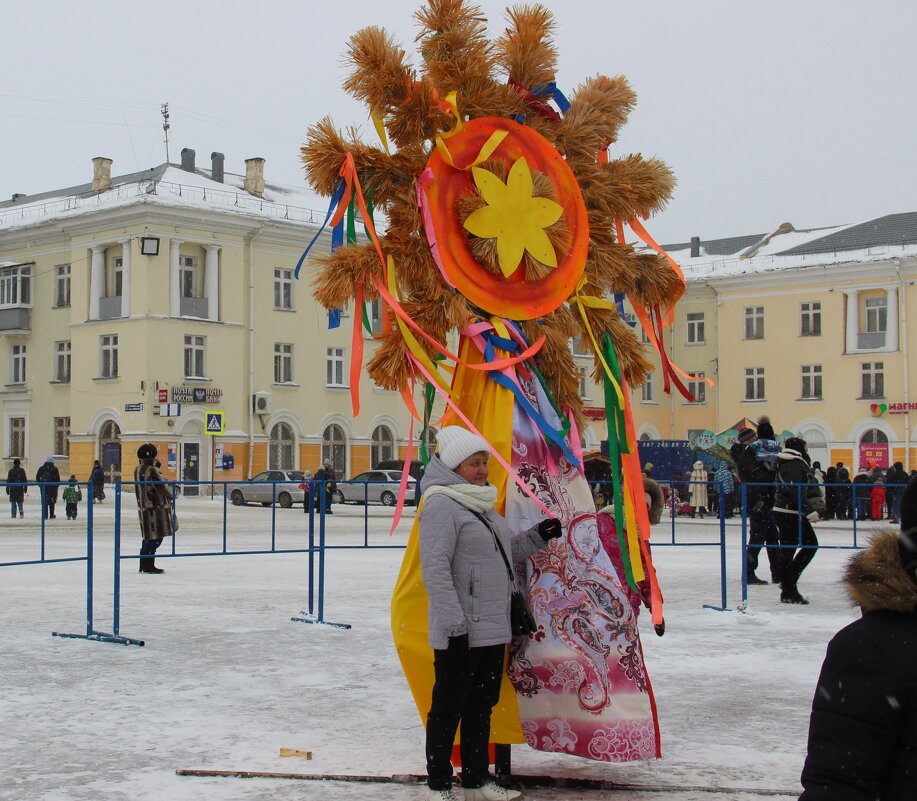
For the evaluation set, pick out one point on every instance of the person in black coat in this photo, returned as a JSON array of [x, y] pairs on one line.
[[793, 516], [863, 727], [842, 508], [49, 477], [325, 476], [895, 479], [759, 499], [861, 486], [97, 479], [16, 487]]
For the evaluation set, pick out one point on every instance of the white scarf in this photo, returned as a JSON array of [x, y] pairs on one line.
[[471, 496]]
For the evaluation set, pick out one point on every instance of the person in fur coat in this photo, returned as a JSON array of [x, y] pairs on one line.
[[698, 489], [154, 505], [863, 728]]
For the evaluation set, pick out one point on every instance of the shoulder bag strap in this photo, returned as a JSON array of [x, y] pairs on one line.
[[509, 568]]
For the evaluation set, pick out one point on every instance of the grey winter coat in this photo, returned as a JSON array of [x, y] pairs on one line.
[[468, 589]]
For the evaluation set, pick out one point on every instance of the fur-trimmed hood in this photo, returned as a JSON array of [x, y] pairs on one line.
[[875, 578]]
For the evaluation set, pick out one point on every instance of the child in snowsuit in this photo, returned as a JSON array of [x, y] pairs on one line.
[[877, 499], [72, 496]]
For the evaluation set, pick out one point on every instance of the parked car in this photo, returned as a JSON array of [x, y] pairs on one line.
[[416, 469], [262, 490], [376, 486]]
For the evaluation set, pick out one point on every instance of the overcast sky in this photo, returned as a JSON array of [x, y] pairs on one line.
[[791, 110]]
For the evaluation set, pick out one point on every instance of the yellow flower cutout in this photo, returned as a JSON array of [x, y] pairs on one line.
[[513, 217]]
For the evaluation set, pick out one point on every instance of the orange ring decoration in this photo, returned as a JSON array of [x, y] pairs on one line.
[[513, 297]]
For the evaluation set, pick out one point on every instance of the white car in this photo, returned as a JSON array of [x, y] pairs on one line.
[[375, 486], [280, 486]]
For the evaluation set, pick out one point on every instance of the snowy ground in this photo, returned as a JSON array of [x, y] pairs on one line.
[[226, 679]]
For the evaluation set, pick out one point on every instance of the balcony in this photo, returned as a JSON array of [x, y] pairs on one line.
[[15, 319], [872, 340], [110, 308], [194, 307]]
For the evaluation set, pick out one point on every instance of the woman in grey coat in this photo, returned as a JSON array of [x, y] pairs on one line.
[[468, 590]]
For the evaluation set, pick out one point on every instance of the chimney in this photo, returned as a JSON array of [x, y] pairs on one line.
[[695, 247], [216, 166], [101, 174], [254, 177], [187, 159], [17, 195]]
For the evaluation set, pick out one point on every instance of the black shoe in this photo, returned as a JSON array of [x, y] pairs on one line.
[[792, 598], [160, 570], [753, 579]]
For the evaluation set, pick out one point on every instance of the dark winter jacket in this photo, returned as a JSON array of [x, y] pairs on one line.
[[793, 471], [466, 579], [16, 484], [863, 729], [97, 477], [50, 475], [754, 474]]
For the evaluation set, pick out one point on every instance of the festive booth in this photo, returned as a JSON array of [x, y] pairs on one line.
[[509, 222]]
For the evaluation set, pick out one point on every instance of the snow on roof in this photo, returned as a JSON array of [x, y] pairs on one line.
[[888, 237], [168, 185]]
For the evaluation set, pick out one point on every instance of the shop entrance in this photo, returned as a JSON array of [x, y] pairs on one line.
[[191, 467]]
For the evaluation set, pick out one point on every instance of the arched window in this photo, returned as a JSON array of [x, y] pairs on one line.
[[383, 447], [645, 437], [334, 447], [874, 437], [110, 450], [280, 451]]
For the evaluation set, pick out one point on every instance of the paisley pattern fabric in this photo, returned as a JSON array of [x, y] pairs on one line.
[[581, 682]]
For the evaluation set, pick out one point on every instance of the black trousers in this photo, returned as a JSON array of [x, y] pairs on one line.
[[792, 561], [466, 689], [763, 531], [148, 549]]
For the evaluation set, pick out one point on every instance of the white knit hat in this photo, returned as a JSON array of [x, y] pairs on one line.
[[456, 444]]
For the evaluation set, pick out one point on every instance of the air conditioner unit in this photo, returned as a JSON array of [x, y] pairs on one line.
[[261, 403]]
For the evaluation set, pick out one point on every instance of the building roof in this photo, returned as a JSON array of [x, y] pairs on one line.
[[167, 185], [882, 238]]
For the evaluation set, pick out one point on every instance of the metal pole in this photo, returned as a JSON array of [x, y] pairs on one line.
[[89, 549], [722, 551], [744, 494], [225, 511], [321, 558], [311, 548], [41, 491], [116, 614]]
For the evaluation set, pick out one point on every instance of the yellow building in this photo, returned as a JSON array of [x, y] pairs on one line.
[[134, 308], [809, 327]]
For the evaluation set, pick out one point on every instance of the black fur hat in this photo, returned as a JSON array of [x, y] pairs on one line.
[[795, 444], [147, 451], [765, 429], [907, 542]]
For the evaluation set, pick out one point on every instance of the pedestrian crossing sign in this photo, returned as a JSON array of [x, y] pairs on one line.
[[214, 424]]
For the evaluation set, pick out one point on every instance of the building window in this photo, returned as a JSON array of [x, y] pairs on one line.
[[583, 382], [283, 363], [17, 438], [114, 281], [872, 375], [876, 315], [16, 286], [189, 275], [108, 363], [281, 447], [383, 447], [579, 346], [428, 440], [754, 383], [61, 286], [375, 315], [647, 390], [697, 386], [810, 319], [335, 377], [695, 328], [195, 348], [62, 362], [811, 382], [754, 322], [334, 447], [17, 364], [283, 289], [61, 436]]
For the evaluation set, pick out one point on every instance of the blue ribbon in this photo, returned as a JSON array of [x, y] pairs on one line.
[[339, 188], [334, 318], [551, 91], [619, 304], [492, 340]]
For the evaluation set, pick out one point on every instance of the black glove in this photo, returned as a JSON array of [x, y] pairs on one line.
[[550, 529], [659, 629], [458, 645]]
